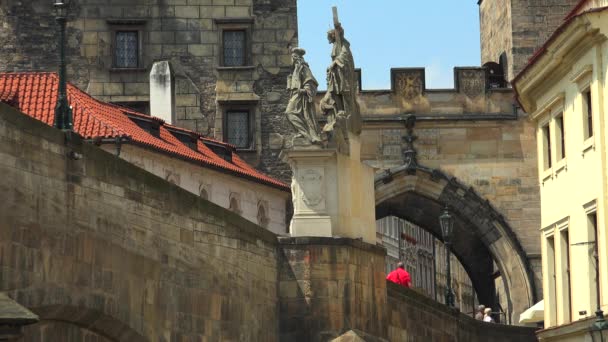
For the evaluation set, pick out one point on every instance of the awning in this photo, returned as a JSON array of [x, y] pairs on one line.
[[536, 313]]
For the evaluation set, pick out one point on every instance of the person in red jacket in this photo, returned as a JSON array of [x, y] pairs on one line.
[[400, 276]]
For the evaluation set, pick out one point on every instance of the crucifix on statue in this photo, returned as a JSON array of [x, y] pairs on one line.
[[339, 104], [337, 26]]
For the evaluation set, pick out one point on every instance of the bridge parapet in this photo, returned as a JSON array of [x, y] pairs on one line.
[[409, 315]]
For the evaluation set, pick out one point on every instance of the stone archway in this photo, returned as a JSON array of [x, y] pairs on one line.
[[482, 235], [82, 324]]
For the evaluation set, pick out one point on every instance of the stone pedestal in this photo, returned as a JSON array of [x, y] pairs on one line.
[[333, 193]]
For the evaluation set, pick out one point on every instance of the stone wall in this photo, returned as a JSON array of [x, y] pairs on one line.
[[218, 187], [519, 28], [533, 24], [188, 34], [414, 317], [103, 251], [98, 243], [328, 286]]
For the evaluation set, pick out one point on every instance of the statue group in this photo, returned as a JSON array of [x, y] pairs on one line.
[[339, 105]]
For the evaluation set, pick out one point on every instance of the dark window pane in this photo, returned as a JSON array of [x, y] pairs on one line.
[[142, 107], [559, 121], [237, 128], [547, 143], [234, 48], [126, 49], [589, 114]]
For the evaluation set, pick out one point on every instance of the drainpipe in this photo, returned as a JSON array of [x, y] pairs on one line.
[[602, 73], [118, 142]]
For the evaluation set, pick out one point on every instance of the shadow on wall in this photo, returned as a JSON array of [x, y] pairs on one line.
[[409, 312]]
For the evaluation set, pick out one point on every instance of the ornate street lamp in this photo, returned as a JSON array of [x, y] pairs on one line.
[[447, 225], [598, 327], [63, 112]]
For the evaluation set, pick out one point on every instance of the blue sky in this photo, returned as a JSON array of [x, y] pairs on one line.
[[386, 34]]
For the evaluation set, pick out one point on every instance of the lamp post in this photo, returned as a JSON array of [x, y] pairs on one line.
[[63, 112], [447, 224], [598, 327]]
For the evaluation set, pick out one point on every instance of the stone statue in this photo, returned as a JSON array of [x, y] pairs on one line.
[[340, 102], [302, 87]]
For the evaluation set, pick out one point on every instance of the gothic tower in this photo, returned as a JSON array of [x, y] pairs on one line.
[[512, 30]]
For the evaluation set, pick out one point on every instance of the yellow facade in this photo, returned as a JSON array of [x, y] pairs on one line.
[[564, 90]]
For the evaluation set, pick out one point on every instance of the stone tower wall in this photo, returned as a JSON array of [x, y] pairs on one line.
[[519, 28], [495, 30]]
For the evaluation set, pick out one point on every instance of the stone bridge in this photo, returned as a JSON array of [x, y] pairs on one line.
[[475, 152], [103, 251]]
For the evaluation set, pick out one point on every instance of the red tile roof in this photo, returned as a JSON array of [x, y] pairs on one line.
[[576, 8], [35, 94]]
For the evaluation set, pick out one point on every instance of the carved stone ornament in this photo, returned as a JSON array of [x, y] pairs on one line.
[[472, 82], [311, 185], [300, 111], [340, 104], [409, 86]]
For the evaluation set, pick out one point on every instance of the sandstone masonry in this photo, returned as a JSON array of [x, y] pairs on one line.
[[518, 28]]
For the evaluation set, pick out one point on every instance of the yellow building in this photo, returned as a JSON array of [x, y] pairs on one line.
[[564, 90]]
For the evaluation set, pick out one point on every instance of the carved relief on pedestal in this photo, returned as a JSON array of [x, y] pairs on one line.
[[312, 188], [471, 82]]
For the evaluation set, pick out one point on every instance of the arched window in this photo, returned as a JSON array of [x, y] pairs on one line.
[[503, 62], [205, 191], [204, 195], [235, 203], [263, 219]]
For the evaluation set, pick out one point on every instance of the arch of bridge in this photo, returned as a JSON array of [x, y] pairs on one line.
[[481, 234]]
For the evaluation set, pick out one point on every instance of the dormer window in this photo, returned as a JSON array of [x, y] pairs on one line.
[[220, 150], [185, 138], [149, 125]]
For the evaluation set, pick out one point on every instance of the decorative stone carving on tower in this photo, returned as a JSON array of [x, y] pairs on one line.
[[471, 81], [410, 153], [408, 83], [332, 191]]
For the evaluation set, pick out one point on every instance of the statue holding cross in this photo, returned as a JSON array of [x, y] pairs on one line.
[[340, 102]]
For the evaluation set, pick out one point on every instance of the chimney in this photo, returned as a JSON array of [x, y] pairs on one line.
[[162, 91]]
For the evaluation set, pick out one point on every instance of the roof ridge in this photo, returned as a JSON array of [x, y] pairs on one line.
[[77, 92]]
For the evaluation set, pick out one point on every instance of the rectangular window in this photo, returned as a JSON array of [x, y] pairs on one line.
[[237, 128], [560, 138], [546, 146], [551, 305], [126, 50], [588, 113], [565, 260], [594, 259], [235, 47]]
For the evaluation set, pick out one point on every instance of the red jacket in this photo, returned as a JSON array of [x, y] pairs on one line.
[[400, 276]]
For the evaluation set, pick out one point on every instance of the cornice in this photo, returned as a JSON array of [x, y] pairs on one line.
[[555, 101], [557, 61]]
